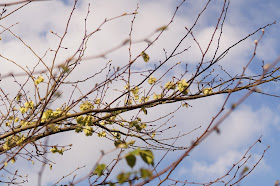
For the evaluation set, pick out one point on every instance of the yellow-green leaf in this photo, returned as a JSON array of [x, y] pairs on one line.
[[130, 160], [162, 28], [99, 169], [144, 110], [145, 173], [122, 177], [147, 156], [245, 169], [145, 56]]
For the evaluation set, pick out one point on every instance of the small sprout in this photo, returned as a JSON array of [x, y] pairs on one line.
[[266, 66], [144, 99], [162, 28], [182, 86], [56, 150], [207, 91], [158, 96], [53, 150], [152, 80], [13, 160], [86, 106], [39, 80], [147, 98], [126, 86], [20, 140], [16, 119], [185, 105], [128, 102], [19, 96], [131, 142], [88, 131], [47, 115], [88, 120], [29, 104], [256, 41], [122, 145], [23, 110], [78, 129], [145, 56], [245, 169], [144, 110], [170, 85], [136, 97], [97, 101], [135, 90], [101, 134], [262, 30], [143, 125], [119, 143], [57, 112], [80, 119]]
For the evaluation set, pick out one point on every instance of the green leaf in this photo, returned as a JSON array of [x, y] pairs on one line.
[[119, 143], [136, 152], [144, 110], [133, 124], [147, 156], [145, 56], [131, 160], [162, 28], [245, 169], [99, 169], [122, 177], [19, 96], [145, 173], [64, 68]]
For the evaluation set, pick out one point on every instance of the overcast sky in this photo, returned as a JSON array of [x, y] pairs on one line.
[[258, 115]]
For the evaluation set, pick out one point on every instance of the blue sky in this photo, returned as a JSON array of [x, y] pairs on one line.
[[258, 115]]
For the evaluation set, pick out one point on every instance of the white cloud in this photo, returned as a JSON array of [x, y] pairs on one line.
[[204, 171], [240, 130]]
